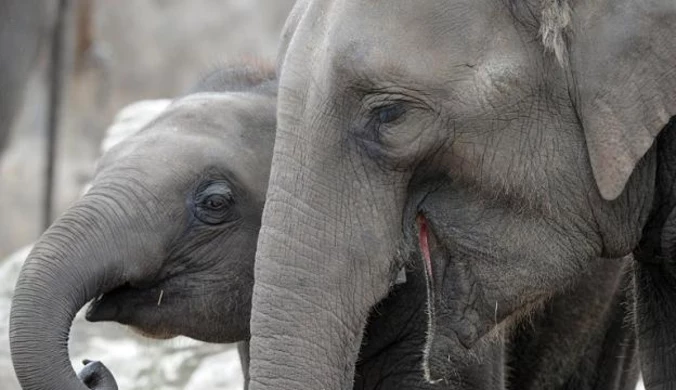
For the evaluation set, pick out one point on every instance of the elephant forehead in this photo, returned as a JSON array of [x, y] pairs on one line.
[[232, 135], [446, 49], [237, 129], [243, 115], [412, 36]]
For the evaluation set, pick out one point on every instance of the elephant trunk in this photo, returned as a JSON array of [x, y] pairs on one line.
[[325, 256], [73, 262]]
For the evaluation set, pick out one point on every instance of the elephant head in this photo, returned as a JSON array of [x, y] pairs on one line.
[[172, 213], [540, 115]]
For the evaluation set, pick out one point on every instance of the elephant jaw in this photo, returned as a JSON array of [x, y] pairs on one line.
[[156, 336]]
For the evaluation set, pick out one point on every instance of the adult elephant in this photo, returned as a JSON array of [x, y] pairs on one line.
[[541, 115]]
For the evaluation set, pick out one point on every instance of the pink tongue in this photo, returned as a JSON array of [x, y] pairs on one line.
[[424, 245]]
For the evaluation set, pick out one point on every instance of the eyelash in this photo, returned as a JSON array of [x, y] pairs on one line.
[[374, 103], [396, 111]]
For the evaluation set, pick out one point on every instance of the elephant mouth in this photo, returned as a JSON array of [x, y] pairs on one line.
[[424, 243], [138, 308], [433, 257], [435, 260]]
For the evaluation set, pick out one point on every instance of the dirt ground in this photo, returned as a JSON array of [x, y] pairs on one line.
[[141, 49]]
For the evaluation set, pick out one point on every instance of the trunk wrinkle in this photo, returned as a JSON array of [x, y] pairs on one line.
[[61, 274]]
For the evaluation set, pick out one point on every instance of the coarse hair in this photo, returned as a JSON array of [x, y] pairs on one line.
[[555, 18]]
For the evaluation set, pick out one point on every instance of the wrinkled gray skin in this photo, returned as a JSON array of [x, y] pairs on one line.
[[579, 340], [23, 24], [549, 164], [170, 213], [544, 353]]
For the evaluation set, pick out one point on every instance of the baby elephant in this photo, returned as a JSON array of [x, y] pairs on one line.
[[167, 231], [165, 242]]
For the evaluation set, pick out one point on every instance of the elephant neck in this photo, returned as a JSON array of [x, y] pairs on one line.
[[581, 336], [658, 243], [655, 271]]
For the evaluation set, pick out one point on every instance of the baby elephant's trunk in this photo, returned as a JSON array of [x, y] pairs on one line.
[[74, 261]]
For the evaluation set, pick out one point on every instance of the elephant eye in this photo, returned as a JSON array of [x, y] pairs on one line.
[[216, 202], [390, 113], [213, 203]]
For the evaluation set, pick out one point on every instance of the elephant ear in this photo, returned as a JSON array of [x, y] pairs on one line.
[[622, 55]]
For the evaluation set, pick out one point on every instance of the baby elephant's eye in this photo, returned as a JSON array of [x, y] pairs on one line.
[[213, 203], [216, 202], [390, 113]]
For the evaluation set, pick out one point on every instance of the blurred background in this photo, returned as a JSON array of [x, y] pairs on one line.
[[117, 53]]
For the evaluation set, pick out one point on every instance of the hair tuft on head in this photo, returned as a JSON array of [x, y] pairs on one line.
[[555, 20]]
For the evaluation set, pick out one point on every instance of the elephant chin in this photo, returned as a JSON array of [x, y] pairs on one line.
[[153, 335]]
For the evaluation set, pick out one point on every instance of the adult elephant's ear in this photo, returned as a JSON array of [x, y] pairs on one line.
[[622, 57]]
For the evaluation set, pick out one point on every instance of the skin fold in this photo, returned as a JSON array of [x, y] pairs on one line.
[[537, 127]]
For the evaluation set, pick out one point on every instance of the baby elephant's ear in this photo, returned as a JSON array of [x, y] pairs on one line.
[[622, 55]]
